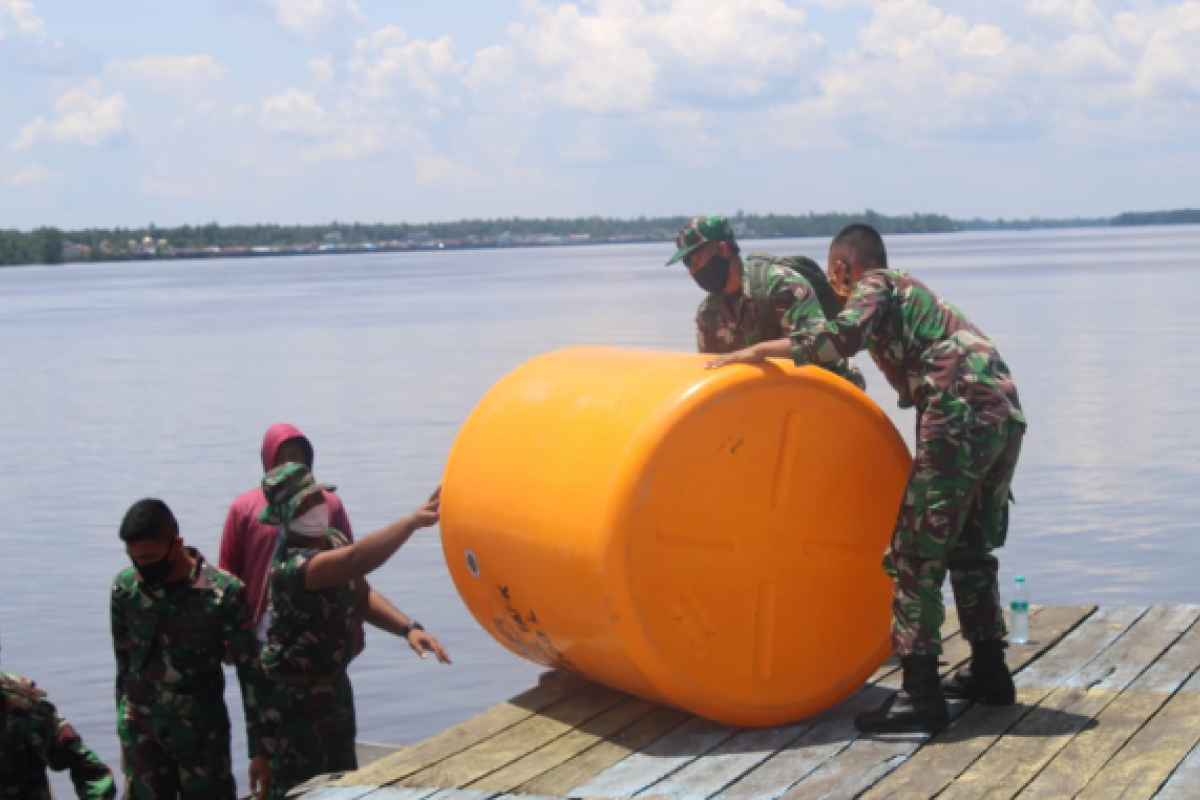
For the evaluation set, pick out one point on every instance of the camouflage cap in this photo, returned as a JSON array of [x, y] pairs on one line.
[[701, 231], [285, 487]]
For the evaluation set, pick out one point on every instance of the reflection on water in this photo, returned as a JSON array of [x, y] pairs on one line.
[[131, 380]]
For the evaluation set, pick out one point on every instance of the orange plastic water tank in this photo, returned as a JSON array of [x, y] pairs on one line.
[[707, 539]]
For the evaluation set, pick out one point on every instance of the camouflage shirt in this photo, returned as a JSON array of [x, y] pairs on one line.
[[170, 643], [929, 351], [725, 323], [310, 631], [32, 737]]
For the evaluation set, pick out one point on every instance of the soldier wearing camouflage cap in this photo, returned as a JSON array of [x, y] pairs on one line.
[[756, 299], [174, 616], [317, 581], [955, 509], [34, 736]]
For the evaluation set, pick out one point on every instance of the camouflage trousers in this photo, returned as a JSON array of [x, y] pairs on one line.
[[955, 513], [177, 747], [309, 731]]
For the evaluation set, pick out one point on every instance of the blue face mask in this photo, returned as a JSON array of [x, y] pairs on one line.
[[713, 277]]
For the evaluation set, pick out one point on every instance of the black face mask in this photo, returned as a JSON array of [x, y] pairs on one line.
[[155, 573], [713, 277]]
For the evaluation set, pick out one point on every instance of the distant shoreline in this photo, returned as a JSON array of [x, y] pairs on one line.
[[50, 246]]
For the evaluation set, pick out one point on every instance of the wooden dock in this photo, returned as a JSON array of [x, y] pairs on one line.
[[1108, 706]]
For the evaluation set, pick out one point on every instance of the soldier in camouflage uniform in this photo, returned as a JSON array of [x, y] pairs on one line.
[[316, 583], [34, 736], [756, 299], [955, 508], [173, 614]]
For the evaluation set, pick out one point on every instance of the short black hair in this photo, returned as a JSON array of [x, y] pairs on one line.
[[149, 518], [865, 245]]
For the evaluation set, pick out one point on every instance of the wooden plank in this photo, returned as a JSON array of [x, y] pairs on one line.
[[833, 731], [1092, 748], [338, 793], [716, 770], [689, 741], [946, 756], [1184, 780], [595, 760], [544, 759], [1030, 744], [372, 792], [1149, 758], [744, 751], [454, 740], [496, 752], [869, 759]]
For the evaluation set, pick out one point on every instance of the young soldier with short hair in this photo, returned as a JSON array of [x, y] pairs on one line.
[[172, 615], [955, 509]]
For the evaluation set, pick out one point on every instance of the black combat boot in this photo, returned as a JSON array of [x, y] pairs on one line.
[[986, 680], [919, 707]]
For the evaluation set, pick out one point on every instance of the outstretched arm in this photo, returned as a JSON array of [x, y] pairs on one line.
[[335, 567], [380, 612]]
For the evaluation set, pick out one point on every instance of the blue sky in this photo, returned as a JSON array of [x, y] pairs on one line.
[[135, 111]]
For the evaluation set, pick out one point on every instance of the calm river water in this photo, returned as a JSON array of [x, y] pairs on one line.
[[134, 380]]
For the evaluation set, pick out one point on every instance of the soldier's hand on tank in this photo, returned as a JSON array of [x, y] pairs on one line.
[[747, 356], [429, 513], [260, 777], [422, 643]]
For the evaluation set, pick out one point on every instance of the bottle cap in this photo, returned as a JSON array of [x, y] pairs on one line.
[[1020, 579]]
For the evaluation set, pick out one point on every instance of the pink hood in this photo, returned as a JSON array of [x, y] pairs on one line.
[[276, 435]]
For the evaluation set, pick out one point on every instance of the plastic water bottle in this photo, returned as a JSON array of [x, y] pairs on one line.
[[1019, 625]]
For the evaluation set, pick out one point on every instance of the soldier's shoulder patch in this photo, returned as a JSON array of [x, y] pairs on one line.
[[126, 580], [222, 579], [20, 688]]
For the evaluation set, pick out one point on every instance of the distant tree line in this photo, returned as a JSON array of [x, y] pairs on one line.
[[41, 246], [1187, 216], [49, 245], [1032, 224]]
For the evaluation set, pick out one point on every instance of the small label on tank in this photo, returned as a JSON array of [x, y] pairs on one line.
[[472, 564]]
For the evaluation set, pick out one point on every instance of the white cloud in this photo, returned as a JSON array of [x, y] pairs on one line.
[[1167, 46], [1078, 14], [388, 64], [435, 169], [17, 18], [322, 69], [623, 56], [353, 144], [313, 19], [173, 73], [296, 113], [85, 117], [31, 176]]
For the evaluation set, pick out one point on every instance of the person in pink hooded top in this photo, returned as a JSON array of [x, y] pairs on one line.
[[246, 543]]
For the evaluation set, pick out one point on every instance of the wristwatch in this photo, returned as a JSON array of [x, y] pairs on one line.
[[413, 625]]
